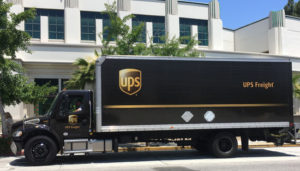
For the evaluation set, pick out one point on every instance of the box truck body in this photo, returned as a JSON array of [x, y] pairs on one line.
[[240, 94]]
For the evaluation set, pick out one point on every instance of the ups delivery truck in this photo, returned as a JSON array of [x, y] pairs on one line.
[[204, 103]]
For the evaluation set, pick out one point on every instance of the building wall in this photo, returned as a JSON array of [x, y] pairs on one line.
[[46, 4], [292, 36], [253, 38], [57, 53], [153, 7], [228, 36], [192, 10]]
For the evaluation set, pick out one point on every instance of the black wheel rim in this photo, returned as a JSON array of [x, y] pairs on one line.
[[40, 150], [225, 145]]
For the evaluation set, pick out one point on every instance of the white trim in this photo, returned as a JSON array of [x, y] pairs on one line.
[[127, 57], [170, 127]]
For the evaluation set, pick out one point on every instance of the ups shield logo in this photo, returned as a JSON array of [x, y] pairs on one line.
[[130, 81]]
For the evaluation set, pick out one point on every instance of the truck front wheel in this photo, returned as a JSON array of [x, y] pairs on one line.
[[40, 150], [224, 145]]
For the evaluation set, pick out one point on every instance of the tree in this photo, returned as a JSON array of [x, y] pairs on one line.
[[84, 74], [14, 86], [297, 9], [289, 7], [11, 39], [296, 85], [119, 32], [292, 8], [126, 44]]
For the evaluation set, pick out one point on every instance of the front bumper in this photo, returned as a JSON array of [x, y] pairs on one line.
[[16, 148]]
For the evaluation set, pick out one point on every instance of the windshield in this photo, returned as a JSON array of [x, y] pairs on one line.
[[49, 112]]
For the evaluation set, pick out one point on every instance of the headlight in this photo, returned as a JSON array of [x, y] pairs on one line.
[[17, 134], [32, 121]]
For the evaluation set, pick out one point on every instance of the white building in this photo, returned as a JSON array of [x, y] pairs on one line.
[[65, 30]]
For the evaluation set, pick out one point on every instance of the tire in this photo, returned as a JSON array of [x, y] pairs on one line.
[[224, 145], [40, 150]]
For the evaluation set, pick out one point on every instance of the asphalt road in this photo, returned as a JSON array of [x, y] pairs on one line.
[[265, 159]]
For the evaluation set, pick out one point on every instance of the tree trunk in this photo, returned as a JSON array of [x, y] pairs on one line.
[[4, 124]]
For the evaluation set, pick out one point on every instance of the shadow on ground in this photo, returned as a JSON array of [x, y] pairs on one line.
[[148, 156]]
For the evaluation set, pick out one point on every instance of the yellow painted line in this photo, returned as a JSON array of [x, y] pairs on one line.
[[190, 106]]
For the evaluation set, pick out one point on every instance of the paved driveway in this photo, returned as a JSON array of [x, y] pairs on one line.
[[273, 159]]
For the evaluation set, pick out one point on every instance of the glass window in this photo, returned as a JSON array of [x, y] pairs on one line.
[[42, 108], [185, 30], [55, 24], [136, 21], [158, 29], [76, 104], [106, 24], [158, 24], [63, 84], [203, 33], [185, 33], [88, 25], [32, 26]]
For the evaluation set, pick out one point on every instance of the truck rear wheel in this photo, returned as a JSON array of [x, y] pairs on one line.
[[40, 150], [224, 145]]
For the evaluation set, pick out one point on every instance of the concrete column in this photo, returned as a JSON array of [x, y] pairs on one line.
[[17, 8], [194, 32], [44, 29], [277, 32], [99, 30], [72, 22], [215, 26], [149, 33], [172, 19], [124, 9]]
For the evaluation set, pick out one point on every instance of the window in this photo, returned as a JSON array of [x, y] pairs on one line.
[[203, 33], [136, 21], [158, 24], [185, 30], [42, 108], [88, 25], [55, 24], [75, 104], [63, 84], [33, 26], [106, 24], [158, 29]]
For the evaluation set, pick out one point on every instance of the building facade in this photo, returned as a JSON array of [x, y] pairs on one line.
[[64, 30]]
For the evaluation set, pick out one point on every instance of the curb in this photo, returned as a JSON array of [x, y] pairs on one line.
[[178, 148]]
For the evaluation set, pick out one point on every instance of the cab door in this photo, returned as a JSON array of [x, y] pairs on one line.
[[73, 116]]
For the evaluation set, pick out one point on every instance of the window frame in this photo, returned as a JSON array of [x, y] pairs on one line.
[[202, 30]]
